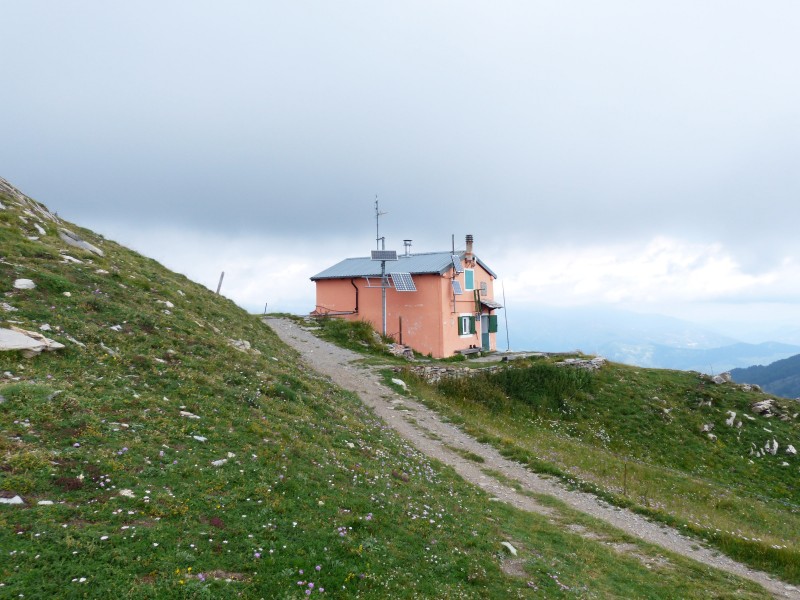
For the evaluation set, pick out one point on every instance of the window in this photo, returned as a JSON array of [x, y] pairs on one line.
[[469, 279], [466, 325], [484, 288]]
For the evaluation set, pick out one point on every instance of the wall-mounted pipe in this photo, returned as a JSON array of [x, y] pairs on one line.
[[353, 283]]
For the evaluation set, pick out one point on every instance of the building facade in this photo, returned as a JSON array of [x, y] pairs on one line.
[[439, 303]]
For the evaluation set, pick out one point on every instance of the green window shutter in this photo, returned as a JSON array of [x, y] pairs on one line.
[[460, 326], [492, 323], [472, 325]]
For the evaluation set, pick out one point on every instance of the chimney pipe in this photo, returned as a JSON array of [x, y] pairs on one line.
[[407, 244], [468, 251]]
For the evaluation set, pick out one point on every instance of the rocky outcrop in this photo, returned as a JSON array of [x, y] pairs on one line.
[[75, 240], [30, 343]]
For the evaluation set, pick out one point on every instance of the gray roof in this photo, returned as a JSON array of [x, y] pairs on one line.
[[416, 264]]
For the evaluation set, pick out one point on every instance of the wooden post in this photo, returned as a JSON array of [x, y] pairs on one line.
[[219, 285], [401, 331]]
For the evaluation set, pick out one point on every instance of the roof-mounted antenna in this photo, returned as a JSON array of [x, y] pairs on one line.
[[380, 242]]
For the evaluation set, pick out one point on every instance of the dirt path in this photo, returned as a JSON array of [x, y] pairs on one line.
[[437, 438]]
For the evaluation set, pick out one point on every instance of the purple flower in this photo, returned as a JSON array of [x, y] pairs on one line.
[[201, 577], [76, 445], [318, 567], [257, 554]]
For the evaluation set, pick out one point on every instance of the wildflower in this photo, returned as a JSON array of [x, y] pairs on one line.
[[318, 567], [201, 576], [258, 555]]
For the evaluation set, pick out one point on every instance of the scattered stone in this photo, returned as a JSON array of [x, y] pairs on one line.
[[707, 427], [712, 437], [74, 240], [101, 272], [763, 407], [74, 341], [220, 462], [784, 464], [511, 550], [200, 438], [401, 350], [243, 346], [109, 350], [188, 415], [70, 259], [399, 382], [116, 328], [771, 448], [24, 284], [68, 294], [592, 364], [45, 502], [14, 500], [791, 450], [731, 418], [7, 307], [30, 343]]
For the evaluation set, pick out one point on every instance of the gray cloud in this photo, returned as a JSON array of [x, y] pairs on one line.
[[528, 122]]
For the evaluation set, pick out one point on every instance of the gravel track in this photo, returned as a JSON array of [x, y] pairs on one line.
[[432, 435]]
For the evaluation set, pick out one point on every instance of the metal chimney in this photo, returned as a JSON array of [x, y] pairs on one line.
[[407, 244], [468, 251]]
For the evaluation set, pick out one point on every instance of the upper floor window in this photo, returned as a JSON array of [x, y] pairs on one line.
[[469, 279]]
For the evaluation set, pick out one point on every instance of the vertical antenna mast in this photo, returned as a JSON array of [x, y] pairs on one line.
[[380, 243]]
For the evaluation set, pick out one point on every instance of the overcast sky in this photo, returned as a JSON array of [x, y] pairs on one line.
[[642, 155]]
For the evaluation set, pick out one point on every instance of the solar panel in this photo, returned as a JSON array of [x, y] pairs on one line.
[[403, 282], [457, 264], [384, 255], [457, 287]]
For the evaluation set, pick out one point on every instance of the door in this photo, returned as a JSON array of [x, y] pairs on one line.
[[485, 332]]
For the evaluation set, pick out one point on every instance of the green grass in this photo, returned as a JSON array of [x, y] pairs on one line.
[[633, 436], [282, 478]]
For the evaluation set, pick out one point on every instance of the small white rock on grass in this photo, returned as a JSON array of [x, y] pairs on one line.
[[511, 550]]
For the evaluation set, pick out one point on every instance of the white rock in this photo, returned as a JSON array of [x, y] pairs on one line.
[[68, 294], [220, 462], [791, 450], [116, 327], [74, 240], [400, 382], [24, 284], [7, 307], [71, 259], [784, 464], [45, 327], [509, 547], [101, 272], [45, 502], [200, 438], [14, 500], [186, 413], [30, 343], [707, 427], [712, 437], [729, 421]]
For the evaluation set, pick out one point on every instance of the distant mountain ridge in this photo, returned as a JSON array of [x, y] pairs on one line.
[[781, 377], [645, 340]]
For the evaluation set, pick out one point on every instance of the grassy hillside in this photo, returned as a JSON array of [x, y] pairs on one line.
[[781, 377], [673, 445], [174, 448]]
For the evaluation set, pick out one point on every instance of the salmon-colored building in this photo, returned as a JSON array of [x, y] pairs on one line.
[[439, 303]]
